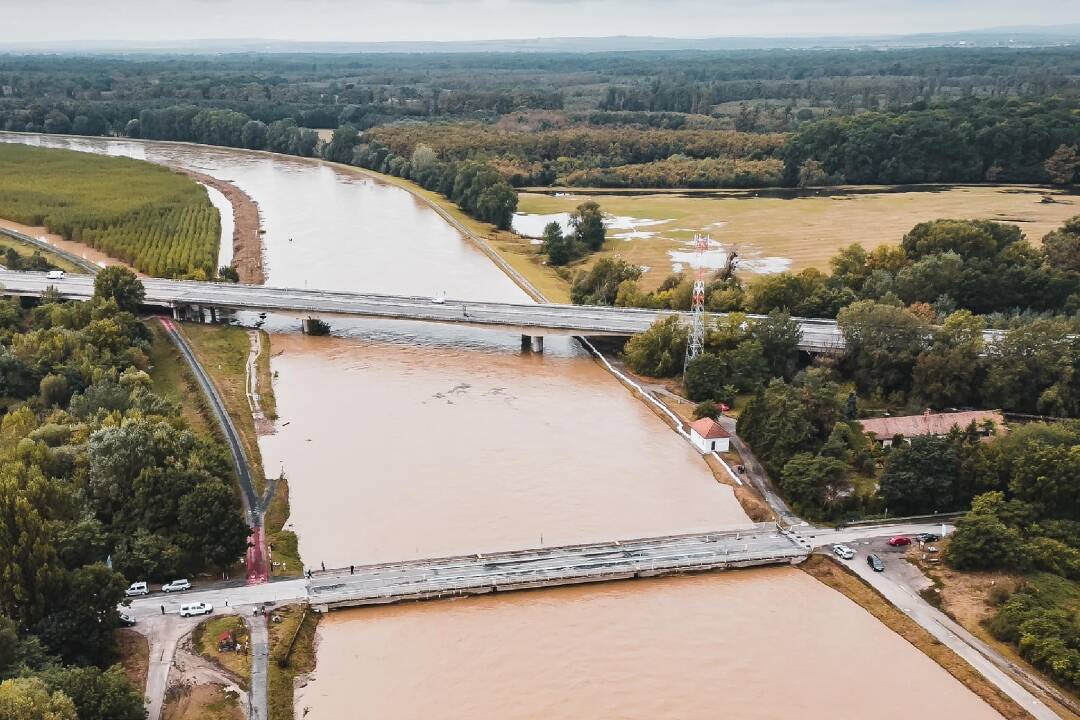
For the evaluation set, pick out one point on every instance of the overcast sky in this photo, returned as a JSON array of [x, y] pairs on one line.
[[366, 20]]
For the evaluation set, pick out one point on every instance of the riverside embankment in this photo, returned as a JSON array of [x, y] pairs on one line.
[[401, 440]]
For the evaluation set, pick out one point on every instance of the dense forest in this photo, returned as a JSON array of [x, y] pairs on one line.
[[101, 483], [157, 220], [642, 119]]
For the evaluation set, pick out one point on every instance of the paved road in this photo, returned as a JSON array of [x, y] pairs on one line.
[[980, 656], [528, 318], [256, 555], [258, 698]]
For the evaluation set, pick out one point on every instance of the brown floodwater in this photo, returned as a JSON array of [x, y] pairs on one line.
[[420, 451], [403, 440], [750, 644]]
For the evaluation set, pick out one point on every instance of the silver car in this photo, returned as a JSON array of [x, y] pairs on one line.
[[843, 551], [176, 585]]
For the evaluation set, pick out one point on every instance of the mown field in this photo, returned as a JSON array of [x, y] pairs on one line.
[[156, 220], [771, 232]]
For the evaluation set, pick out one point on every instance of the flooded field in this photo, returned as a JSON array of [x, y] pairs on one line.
[[748, 644], [405, 440], [776, 230]]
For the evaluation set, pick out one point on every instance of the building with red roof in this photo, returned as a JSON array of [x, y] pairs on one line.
[[709, 436]]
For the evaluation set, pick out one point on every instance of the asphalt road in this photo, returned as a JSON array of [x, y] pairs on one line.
[[978, 654]]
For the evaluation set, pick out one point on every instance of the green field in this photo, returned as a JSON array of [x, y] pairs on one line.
[[798, 232], [158, 221]]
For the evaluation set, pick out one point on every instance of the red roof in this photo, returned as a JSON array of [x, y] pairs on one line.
[[709, 429], [929, 423]]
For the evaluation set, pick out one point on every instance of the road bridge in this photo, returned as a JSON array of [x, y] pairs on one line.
[[763, 544], [529, 319]]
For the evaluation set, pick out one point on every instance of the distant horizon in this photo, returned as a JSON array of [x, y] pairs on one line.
[[1070, 31], [64, 23]]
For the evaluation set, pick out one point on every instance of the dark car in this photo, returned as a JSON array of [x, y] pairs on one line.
[[127, 620], [875, 562], [928, 537]]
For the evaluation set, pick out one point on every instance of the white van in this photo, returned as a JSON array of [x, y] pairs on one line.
[[56, 275], [137, 588], [196, 609]]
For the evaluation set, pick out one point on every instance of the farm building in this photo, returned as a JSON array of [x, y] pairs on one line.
[[885, 430]]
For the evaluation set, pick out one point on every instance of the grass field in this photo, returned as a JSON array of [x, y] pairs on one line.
[[284, 672], [150, 217], [771, 233], [205, 638], [223, 351], [173, 379]]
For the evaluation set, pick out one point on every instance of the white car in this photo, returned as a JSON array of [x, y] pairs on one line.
[[56, 275], [175, 586], [843, 551], [193, 609], [137, 588]]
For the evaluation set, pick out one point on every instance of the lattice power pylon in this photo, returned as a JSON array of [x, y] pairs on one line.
[[696, 344]]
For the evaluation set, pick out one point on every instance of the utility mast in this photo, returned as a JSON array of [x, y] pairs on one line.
[[697, 303]]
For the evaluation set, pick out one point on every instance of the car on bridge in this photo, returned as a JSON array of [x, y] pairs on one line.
[[175, 586]]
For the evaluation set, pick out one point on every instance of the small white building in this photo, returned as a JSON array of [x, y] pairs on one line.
[[708, 436]]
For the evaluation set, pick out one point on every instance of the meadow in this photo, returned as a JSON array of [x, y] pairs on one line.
[[156, 220], [777, 230]]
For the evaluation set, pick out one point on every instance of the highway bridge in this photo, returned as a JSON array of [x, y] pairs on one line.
[[762, 544], [529, 319]]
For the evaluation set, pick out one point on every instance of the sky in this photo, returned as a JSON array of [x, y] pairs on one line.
[[53, 21]]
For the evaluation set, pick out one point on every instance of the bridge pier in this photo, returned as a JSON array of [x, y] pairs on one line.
[[532, 343], [178, 312]]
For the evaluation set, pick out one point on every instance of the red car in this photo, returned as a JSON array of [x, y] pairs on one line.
[[900, 540]]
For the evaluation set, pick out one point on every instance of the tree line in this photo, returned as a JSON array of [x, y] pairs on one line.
[[101, 483], [1026, 519]]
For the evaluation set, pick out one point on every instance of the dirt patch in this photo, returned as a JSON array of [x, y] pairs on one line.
[[134, 656], [844, 581], [247, 228], [202, 702]]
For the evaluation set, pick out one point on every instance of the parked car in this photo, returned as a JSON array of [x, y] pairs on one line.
[[875, 562], [199, 608], [843, 551], [137, 588], [127, 620], [900, 541], [175, 586], [928, 537]]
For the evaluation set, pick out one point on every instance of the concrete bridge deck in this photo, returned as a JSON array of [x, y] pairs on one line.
[[763, 544], [525, 318]]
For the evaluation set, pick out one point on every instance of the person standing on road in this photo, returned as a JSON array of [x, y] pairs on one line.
[[323, 566], [162, 609]]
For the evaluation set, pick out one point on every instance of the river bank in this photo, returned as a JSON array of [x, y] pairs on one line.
[[247, 249]]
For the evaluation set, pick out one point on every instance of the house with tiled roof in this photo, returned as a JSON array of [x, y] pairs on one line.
[[708, 436], [884, 430]]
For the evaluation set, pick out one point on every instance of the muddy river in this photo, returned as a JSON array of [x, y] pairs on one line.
[[404, 440]]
